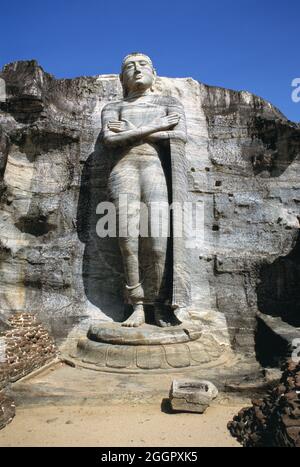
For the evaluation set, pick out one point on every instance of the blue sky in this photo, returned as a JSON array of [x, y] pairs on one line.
[[245, 44]]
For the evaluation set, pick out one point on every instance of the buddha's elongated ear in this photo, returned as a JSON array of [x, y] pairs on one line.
[[124, 88], [154, 79]]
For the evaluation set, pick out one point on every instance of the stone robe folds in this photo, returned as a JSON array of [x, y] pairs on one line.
[[181, 293]]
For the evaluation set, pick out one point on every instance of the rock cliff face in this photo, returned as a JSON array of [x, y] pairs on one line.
[[243, 164]]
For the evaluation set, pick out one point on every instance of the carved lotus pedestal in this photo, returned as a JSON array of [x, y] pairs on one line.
[[113, 348]]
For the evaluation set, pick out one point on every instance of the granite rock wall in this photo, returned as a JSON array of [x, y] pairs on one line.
[[243, 157]]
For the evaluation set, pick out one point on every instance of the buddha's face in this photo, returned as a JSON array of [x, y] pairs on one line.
[[137, 74]]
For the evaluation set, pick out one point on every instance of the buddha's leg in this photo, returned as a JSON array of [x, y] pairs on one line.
[[124, 188], [129, 249], [158, 267]]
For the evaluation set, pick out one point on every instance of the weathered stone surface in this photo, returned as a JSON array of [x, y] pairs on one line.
[[243, 158], [275, 340], [113, 333], [137, 358], [192, 395], [149, 358]]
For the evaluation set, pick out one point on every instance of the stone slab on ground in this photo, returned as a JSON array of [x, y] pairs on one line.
[[61, 384]]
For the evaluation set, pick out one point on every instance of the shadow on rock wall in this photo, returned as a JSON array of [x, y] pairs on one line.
[[102, 262], [280, 146], [279, 292]]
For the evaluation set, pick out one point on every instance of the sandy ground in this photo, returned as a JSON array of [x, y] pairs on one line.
[[126, 425]]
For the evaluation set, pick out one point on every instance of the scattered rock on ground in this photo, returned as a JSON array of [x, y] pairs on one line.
[[7, 410]]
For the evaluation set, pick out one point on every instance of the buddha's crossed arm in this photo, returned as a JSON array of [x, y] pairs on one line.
[[116, 131], [177, 132]]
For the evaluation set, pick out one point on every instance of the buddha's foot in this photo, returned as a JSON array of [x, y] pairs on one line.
[[165, 317], [161, 317], [137, 318]]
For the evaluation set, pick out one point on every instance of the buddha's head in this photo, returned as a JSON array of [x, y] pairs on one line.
[[138, 73]]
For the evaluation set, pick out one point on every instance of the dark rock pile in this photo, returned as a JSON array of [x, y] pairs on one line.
[[274, 420], [7, 410], [3, 375], [28, 346]]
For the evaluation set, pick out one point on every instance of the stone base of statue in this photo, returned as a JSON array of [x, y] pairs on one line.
[[111, 347]]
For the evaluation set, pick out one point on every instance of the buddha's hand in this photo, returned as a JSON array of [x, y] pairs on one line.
[[117, 126], [166, 123]]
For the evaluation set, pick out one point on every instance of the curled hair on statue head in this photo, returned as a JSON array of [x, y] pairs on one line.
[[134, 54]]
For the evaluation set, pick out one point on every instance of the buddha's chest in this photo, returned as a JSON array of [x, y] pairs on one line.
[[142, 114]]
